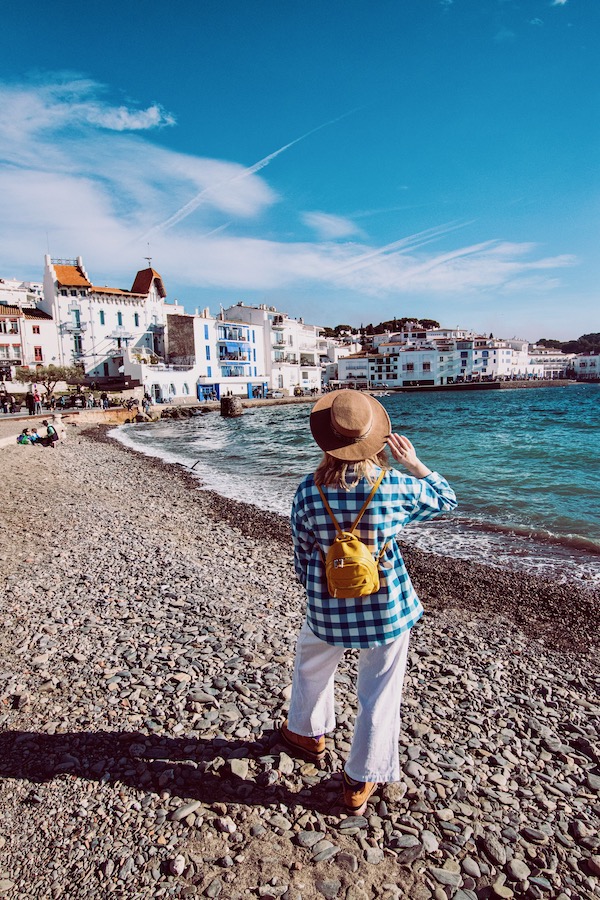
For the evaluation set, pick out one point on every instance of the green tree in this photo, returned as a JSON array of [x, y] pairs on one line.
[[550, 342], [49, 376]]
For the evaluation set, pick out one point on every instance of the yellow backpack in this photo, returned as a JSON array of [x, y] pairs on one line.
[[350, 567]]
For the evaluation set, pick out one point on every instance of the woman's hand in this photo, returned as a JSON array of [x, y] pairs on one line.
[[404, 453]]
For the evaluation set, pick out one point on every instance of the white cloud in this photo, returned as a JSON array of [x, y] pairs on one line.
[[72, 174], [329, 226], [559, 2], [536, 22]]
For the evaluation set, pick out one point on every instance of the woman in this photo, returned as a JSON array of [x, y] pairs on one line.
[[353, 429]]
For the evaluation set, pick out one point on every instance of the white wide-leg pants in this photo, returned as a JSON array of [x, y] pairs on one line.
[[374, 752]]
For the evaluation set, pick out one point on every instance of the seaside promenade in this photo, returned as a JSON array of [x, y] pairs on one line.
[[146, 655]]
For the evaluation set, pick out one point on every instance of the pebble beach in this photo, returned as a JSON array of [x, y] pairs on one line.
[[146, 653]]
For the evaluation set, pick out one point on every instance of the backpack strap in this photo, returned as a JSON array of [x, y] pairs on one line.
[[359, 516]]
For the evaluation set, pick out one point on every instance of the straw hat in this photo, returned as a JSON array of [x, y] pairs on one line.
[[350, 425]]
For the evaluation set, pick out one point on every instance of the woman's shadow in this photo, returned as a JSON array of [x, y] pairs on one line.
[[207, 769]]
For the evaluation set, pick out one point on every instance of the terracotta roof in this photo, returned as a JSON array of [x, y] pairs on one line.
[[71, 276], [143, 283], [110, 290], [29, 312]]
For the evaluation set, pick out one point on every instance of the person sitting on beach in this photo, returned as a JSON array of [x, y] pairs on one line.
[[51, 435], [35, 438], [23, 438], [354, 475]]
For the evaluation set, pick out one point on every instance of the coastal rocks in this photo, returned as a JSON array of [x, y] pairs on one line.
[[144, 650], [231, 407]]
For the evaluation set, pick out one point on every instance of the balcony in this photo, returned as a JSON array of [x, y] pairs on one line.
[[279, 342], [233, 335], [120, 333], [234, 372], [74, 327], [234, 357]]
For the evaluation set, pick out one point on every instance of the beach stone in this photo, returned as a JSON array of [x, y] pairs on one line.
[[177, 865], [215, 888], [308, 839], [347, 861], [328, 887], [471, 867], [594, 865], [494, 850], [374, 855], [534, 835], [429, 841], [182, 812], [518, 870], [443, 876]]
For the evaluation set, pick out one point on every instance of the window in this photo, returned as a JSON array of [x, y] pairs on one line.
[[254, 356], [253, 337], [255, 371], [73, 293], [209, 371], [410, 367], [136, 320], [206, 332], [37, 354], [207, 352], [464, 354], [102, 318], [305, 376], [186, 389], [77, 344], [36, 329], [64, 293], [119, 318], [426, 367]]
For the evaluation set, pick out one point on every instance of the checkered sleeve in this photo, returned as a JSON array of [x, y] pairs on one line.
[[423, 498], [304, 541]]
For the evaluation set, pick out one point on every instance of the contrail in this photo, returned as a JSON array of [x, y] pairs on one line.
[[420, 239], [195, 202]]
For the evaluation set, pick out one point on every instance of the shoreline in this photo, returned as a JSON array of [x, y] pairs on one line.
[[145, 660], [536, 606]]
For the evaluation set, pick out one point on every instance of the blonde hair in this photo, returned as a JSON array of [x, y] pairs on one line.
[[333, 472]]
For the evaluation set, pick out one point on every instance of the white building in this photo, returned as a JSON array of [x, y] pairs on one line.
[[27, 339], [556, 364], [24, 294], [587, 366], [99, 327], [438, 358], [224, 356], [292, 349]]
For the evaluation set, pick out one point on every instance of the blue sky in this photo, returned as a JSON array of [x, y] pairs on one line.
[[347, 162]]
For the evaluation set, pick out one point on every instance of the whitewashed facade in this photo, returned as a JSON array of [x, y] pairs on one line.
[[440, 358], [587, 366], [292, 349], [101, 327], [556, 364]]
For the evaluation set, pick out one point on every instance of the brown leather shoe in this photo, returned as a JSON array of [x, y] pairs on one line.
[[356, 794], [310, 748]]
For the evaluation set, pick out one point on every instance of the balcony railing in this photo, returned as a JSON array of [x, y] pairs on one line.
[[234, 357], [74, 327], [233, 336], [233, 371], [279, 342]]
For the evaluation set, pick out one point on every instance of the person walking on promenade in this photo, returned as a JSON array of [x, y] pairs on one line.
[[37, 399], [30, 403], [353, 429]]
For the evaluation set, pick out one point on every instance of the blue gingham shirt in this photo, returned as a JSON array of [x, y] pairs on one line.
[[381, 617]]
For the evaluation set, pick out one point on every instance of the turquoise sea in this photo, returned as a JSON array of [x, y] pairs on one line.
[[525, 465]]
